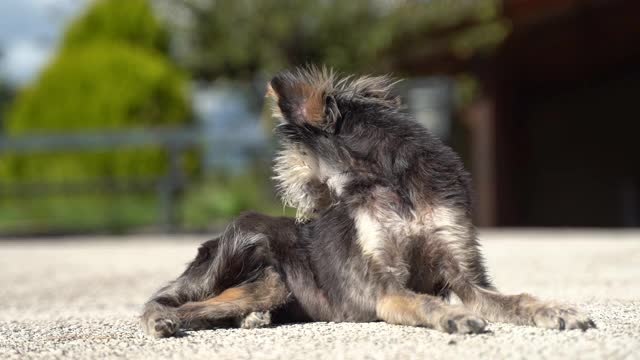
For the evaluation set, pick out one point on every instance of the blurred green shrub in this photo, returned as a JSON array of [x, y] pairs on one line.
[[97, 87], [215, 201], [129, 22], [60, 214], [111, 74]]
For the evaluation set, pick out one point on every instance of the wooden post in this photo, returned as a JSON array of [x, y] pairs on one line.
[[480, 119]]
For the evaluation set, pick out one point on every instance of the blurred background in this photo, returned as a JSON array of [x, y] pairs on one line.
[[133, 116]]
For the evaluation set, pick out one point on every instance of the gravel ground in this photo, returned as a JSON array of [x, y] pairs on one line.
[[79, 299]]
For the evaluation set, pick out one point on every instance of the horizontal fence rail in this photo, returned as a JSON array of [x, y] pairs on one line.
[[88, 141], [168, 187]]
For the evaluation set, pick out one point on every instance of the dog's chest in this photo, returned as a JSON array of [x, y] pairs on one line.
[[385, 234]]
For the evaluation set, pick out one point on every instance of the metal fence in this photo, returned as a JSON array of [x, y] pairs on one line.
[[175, 142]]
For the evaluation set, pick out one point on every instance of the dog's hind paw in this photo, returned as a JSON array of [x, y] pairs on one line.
[[255, 319], [162, 327], [561, 317]]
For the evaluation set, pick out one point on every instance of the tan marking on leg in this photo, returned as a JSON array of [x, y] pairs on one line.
[[401, 310], [261, 295], [429, 311], [232, 294]]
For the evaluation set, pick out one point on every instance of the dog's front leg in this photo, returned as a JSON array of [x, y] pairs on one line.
[[408, 308], [523, 309]]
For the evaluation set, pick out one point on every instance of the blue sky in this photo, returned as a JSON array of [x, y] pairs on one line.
[[29, 33]]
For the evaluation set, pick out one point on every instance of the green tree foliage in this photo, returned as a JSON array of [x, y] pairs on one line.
[[111, 74], [128, 22], [244, 38]]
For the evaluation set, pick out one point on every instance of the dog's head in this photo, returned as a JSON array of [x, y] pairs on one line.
[[325, 122], [317, 98]]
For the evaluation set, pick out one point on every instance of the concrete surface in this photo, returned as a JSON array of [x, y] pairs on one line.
[[79, 298]]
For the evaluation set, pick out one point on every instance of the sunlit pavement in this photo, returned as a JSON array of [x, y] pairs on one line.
[[79, 298]]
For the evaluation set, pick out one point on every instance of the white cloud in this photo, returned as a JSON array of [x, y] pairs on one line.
[[45, 2], [23, 60], [29, 32], [52, 3]]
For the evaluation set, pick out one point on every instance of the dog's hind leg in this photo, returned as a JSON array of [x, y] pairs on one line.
[[240, 255], [246, 305], [159, 318]]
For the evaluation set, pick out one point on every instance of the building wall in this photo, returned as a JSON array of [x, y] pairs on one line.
[[581, 158]]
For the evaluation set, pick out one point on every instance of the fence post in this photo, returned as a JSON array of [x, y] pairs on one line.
[[170, 188]]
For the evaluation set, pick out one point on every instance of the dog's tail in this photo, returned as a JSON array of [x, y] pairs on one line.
[[238, 256]]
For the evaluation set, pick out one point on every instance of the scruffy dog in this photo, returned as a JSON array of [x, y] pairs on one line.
[[384, 228]]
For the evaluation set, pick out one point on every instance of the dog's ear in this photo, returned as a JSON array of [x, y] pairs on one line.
[[303, 97]]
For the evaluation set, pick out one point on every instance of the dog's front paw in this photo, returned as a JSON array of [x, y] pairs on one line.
[[161, 327], [561, 317], [462, 323]]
